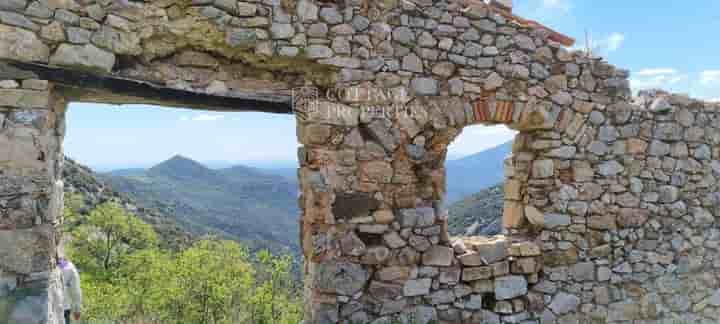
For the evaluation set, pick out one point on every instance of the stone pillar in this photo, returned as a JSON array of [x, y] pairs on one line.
[[32, 126], [373, 221]]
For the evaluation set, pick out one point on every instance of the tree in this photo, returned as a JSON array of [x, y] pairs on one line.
[[126, 278], [214, 281], [109, 235], [275, 298]]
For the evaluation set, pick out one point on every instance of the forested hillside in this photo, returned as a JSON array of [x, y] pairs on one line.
[[478, 214], [85, 190], [145, 269], [237, 203]]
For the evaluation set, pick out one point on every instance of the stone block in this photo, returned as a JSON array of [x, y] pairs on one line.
[[488, 249], [24, 98], [338, 277], [477, 273], [393, 274], [524, 249], [512, 190], [438, 256], [417, 217], [564, 303], [30, 250], [510, 287], [86, 57], [513, 214], [534, 216], [22, 45], [543, 169], [417, 287], [385, 291]]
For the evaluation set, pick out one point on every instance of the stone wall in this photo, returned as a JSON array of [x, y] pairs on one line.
[[610, 210], [31, 132]]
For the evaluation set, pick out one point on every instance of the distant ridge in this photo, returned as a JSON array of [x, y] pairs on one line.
[[473, 173], [238, 202]]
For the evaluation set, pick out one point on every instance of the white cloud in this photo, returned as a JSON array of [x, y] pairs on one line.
[[478, 138], [612, 43], [604, 46], [656, 72], [714, 100], [709, 77], [557, 5], [202, 117], [656, 78]]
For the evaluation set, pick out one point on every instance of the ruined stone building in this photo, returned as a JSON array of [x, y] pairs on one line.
[[612, 201]]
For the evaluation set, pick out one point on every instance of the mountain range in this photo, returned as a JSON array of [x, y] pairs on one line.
[[239, 202]]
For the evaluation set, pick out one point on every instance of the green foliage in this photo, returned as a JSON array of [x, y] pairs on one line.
[[126, 278], [109, 235]]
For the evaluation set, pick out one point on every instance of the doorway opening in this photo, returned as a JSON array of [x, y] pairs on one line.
[[165, 207]]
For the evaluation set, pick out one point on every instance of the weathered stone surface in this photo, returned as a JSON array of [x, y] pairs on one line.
[[24, 98], [438, 256], [564, 303], [25, 251], [23, 45], [417, 217], [341, 278], [424, 86], [417, 287], [556, 220], [510, 287], [543, 169], [83, 57], [610, 168]]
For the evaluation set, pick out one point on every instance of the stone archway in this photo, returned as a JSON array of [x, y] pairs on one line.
[[610, 207]]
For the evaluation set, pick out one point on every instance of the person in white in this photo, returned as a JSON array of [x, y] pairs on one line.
[[72, 300]]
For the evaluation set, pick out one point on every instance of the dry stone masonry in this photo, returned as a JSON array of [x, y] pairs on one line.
[[611, 201]]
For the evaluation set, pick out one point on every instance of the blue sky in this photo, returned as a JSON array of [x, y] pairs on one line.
[[670, 44]]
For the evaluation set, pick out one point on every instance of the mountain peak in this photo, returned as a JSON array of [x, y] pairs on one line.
[[180, 166]]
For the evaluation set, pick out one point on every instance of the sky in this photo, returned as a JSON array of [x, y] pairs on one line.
[[669, 44]]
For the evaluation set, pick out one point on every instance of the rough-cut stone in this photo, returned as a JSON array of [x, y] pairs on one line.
[[438, 256], [22, 98], [424, 86], [24, 251], [417, 287], [83, 57], [564, 303], [556, 220], [19, 44], [417, 217], [543, 169], [610, 168], [341, 278], [510, 287]]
